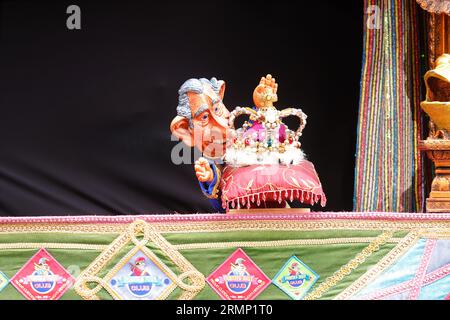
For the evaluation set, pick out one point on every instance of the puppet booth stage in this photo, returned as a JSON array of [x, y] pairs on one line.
[[253, 245]]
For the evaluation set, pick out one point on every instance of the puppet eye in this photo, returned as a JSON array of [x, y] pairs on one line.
[[218, 110], [205, 116]]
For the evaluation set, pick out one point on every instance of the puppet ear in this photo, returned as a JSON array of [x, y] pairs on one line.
[[180, 129], [222, 89]]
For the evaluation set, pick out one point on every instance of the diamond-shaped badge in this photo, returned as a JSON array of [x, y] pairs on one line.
[[140, 277], [42, 278], [3, 281], [238, 278], [295, 278]]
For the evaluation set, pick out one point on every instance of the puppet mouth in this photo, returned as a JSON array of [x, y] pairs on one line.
[[221, 141]]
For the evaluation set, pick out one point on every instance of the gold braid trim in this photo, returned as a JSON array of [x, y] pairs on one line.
[[52, 245], [382, 265], [444, 234], [100, 228], [148, 233], [277, 243], [223, 226], [350, 266]]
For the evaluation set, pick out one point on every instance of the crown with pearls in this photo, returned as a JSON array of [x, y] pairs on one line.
[[265, 139]]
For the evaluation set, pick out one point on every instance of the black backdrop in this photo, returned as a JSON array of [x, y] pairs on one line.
[[85, 114]]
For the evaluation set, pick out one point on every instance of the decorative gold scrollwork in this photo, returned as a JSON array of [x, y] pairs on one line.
[[140, 233]]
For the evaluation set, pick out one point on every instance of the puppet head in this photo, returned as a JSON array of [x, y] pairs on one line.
[[202, 118]]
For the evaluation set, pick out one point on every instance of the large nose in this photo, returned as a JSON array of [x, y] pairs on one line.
[[223, 120]]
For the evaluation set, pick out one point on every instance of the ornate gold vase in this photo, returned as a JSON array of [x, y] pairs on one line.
[[437, 145]]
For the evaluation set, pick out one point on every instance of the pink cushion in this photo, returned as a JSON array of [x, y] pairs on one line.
[[254, 184]]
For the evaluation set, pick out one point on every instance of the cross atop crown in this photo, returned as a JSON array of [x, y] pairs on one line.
[[265, 139]]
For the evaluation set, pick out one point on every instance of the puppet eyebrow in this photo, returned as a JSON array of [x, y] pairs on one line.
[[202, 109]]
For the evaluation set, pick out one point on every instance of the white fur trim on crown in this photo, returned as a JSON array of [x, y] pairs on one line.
[[247, 156]]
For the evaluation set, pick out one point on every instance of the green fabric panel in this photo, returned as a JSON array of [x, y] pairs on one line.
[[184, 238], [358, 272], [224, 236], [401, 234], [324, 260]]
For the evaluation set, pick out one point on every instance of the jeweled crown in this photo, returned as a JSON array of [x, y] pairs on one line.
[[265, 139]]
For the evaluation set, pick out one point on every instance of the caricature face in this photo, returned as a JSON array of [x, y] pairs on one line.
[[140, 265], [209, 123]]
